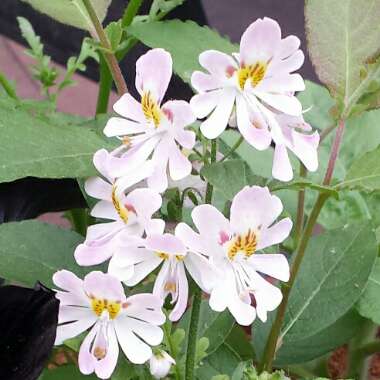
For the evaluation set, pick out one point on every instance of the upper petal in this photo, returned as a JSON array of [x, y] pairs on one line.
[[260, 41], [153, 73], [217, 63], [254, 207]]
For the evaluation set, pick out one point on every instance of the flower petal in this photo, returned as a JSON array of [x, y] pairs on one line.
[[288, 104], [105, 210], [128, 107], [179, 165], [217, 63], [275, 234], [71, 330], [153, 73], [260, 41], [98, 188], [218, 120], [254, 207], [260, 138], [151, 334], [282, 168], [103, 286], [203, 104], [210, 222], [117, 126], [202, 82], [165, 243], [134, 348], [182, 291], [274, 265], [181, 112], [105, 367]]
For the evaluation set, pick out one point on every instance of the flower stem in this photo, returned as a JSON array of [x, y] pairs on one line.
[[105, 84], [169, 345], [234, 147], [197, 296], [300, 208], [275, 337], [108, 56]]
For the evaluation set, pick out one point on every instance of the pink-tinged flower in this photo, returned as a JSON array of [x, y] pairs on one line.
[[132, 264], [152, 129], [254, 87], [233, 246], [130, 214], [98, 302], [160, 363]]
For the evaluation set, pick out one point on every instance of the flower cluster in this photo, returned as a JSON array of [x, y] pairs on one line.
[[256, 87]]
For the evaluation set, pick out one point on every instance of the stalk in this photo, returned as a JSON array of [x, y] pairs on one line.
[[110, 58], [274, 339], [197, 297], [300, 208]]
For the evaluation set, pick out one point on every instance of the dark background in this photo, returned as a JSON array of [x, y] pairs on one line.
[[30, 197]]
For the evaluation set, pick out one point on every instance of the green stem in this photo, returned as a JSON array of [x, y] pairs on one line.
[[169, 345], [109, 57], [300, 208], [8, 87], [275, 336], [105, 85], [197, 296], [130, 12], [234, 147]]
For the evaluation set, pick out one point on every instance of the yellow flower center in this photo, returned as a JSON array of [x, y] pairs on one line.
[[150, 108], [245, 244], [119, 207], [165, 256], [170, 287], [100, 353], [99, 305], [255, 73]]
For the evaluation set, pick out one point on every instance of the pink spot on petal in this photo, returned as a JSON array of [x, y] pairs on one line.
[[130, 208], [223, 237], [169, 114], [230, 71]]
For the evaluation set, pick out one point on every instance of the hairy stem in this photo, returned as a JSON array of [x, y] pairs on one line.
[[108, 56], [105, 85], [300, 208], [169, 345], [197, 297], [275, 336]]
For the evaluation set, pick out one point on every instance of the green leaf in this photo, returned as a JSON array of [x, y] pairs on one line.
[[342, 51], [65, 372], [212, 325], [325, 341], [114, 33], [223, 361], [41, 147], [364, 174], [71, 12], [33, 251], [369, 303], [183, 40], [238, 341], [230, 176], [327, 286]]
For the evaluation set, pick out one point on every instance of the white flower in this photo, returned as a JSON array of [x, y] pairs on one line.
[[256, 86], [232, 246], [152, 129], [160, 363], [131, 214], [98, 302], [132, 264]]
